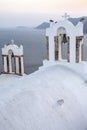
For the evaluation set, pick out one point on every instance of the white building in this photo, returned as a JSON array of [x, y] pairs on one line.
[[61, 37], [73, 36], [12, 56]]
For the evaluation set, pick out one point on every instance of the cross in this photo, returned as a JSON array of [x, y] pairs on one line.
[[12, 41], [66, 16]]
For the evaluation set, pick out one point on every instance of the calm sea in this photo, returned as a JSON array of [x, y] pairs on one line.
[[34, 44]]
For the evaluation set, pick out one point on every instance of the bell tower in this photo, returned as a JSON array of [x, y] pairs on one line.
[[12, 56], [64, 33]]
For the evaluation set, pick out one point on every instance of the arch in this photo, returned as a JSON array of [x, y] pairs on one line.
[[10, 52], [61, 30], [67, 25], [13, 59], [61, 50], [56, 32]]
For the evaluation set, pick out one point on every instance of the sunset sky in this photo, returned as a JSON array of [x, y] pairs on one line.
[[33, 12]]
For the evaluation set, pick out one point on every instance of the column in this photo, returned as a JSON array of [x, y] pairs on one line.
[[51, 48], [79, 48], [17, 65], [5, 64], [73, 49], [77, 51], [10, 64], [80, 51], [22, 65], [47, 47], [56, 47], [60, 54], [68, 49]]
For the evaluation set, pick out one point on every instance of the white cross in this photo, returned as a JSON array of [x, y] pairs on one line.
[[12, 41], [66, 16]]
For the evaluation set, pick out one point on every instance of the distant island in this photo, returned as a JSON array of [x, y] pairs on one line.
[[21, 27], [45, 25]]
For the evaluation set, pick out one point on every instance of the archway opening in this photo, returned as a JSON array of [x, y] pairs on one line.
[[11, 61], [63, 44]]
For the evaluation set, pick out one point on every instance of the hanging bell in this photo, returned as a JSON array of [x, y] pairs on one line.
[[64, 40], [12, 54]]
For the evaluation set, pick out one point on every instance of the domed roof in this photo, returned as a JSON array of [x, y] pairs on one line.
[[45, 100]]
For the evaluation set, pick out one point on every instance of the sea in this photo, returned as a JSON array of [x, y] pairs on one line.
[[34, 44]]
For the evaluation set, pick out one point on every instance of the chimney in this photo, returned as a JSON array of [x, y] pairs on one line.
[[51, 23]]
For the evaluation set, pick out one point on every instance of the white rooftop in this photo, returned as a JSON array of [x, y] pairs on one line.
[[50, 99]]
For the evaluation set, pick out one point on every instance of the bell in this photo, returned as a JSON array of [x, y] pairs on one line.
[[64, 40], [12, 54]]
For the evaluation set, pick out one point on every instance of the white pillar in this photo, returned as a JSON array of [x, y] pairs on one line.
[[22, 65], [73, 49], [5, 64], [51, 48], [59, 43], [80, 52], [17, 64], [10, 64], [51, 23]]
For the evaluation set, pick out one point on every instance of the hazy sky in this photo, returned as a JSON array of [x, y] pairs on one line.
[[32, 12]]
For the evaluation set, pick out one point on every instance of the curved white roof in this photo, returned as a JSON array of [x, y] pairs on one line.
[[15, 49], [76, 30], [53, 98]]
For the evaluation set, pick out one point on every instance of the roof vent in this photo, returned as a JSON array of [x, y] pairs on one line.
[[60, 102]]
